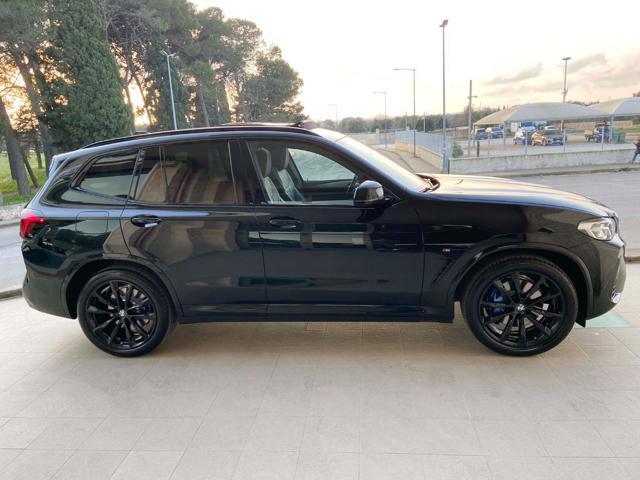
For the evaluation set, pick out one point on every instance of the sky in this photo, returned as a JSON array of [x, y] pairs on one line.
[[345, 50]]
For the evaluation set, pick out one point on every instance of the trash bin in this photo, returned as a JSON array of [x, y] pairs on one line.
[[620, 137]]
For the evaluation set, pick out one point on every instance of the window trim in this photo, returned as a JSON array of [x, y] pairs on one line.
[[133, 201]]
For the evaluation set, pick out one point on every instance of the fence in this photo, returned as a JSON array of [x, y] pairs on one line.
[[429, 141], [426, 140]]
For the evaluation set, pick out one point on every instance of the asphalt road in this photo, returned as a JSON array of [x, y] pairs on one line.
[[619, 190]]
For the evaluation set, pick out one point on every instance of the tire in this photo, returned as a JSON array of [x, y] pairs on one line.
[[497, 311], [146, 321]]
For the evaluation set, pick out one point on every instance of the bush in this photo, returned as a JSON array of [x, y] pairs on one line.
[[457, 150]]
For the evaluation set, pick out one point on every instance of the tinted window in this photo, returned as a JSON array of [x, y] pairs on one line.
[[187, 173], [110, 175], [151, 184], [301, 174]]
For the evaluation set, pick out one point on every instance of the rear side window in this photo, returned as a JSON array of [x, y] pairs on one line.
[[198, 173], [110, 175], [106, 182]]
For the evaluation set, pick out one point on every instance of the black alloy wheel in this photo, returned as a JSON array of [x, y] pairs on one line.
[[123, 313], [521, 306]]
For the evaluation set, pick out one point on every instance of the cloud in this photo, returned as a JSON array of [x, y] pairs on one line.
[[610, 77], [595, 60], [524, 74]]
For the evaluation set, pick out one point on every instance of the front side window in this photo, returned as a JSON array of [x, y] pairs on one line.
[[110, 175], [198, 173], [296, 173]]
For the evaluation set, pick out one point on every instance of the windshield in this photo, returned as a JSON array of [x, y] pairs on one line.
[[379, 161]]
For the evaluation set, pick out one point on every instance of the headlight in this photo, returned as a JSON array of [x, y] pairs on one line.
[[600, 228]]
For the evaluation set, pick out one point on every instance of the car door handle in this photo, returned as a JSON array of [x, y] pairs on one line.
[[285, 223], [146, 221]]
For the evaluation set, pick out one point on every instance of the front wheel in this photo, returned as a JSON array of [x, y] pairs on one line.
[[124, 313], [520, 305]]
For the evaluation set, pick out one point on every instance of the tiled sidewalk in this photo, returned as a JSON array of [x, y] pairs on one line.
[[319, 401]]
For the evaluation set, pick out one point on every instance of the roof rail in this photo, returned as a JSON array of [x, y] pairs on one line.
[[227, 127]]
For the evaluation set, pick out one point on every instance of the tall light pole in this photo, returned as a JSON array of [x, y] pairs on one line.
[[564, 99], [564, 90], [335, 106], [445, 159], [173, 105], [470, 123], [384, 92], [413, 70]]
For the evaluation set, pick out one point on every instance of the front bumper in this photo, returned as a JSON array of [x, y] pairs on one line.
[[609, 282]]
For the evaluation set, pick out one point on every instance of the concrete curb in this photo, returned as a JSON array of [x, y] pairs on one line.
[[12, 293], [9, 223], [614, 167]]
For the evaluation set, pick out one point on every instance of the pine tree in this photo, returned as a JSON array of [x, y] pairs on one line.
[[87, 102]]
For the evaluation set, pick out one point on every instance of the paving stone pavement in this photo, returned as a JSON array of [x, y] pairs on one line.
[[319, 401]]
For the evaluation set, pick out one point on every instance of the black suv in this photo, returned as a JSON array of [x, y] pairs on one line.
[[275, 222]]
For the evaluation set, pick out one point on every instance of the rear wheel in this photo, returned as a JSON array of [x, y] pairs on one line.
[[124, 313], [520, 305]]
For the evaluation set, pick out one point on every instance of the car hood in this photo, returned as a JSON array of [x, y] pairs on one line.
[[502, 190]]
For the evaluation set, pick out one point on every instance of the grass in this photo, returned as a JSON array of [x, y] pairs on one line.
[[8, 185]]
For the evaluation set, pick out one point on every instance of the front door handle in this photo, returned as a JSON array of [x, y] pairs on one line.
[[285, 223], [146, 221]]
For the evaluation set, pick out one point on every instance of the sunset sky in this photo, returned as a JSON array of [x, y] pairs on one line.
[[344, 50]]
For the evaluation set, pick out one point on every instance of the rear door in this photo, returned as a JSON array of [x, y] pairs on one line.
[[190, 217]]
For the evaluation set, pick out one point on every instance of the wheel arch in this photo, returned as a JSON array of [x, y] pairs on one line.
[[73, 283], [566, 261]]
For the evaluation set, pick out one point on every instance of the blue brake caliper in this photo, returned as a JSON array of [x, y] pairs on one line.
[[495, 297]]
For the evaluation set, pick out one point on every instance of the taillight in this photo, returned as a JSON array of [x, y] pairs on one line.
[[30, 220]]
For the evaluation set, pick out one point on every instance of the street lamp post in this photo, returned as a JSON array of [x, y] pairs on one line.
[[173, 105], [445, 159], [384, 92], [564, 100], [412, 70], [335, 106], [470, 123], [564, 90]]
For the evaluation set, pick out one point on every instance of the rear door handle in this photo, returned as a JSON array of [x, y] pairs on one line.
[[146, 221], [285, 223]]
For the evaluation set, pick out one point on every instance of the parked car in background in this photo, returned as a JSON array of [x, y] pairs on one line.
[[481, 134], [495, 132], [522, 135], [278, 222], [547, 136]]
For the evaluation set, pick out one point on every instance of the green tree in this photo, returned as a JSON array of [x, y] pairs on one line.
[[23, 34], [138, 30], [14, 152], [87, 101], [354, 125], [271, 94]]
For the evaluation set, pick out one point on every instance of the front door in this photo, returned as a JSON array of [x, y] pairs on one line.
[[322, 255], [190, 217]]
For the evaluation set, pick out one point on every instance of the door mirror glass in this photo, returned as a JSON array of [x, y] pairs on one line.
[[368, 194]]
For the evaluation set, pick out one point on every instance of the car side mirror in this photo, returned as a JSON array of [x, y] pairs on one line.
[[368, 194]]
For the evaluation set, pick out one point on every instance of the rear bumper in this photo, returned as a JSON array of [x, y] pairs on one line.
[[43, 293]]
